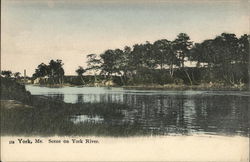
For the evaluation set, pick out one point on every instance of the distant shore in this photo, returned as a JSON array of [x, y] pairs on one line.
[[206, 86]]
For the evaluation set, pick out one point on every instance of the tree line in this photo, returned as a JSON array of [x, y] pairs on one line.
[[9, 74], [224, 59]]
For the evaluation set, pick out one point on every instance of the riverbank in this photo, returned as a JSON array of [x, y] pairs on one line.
[[200, 87], [179, 87], [25, 114], [13, 104]]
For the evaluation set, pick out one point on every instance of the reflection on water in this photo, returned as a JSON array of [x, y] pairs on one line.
[[85, 118], [163, 112]]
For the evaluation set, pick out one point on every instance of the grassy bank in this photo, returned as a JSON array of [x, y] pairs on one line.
[[178, 87], [24, 114], [205, 86]]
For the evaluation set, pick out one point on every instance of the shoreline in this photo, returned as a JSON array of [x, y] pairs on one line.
[[188, 87], [200, 87]]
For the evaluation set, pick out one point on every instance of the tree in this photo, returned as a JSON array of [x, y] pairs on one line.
[[202, 53], [80, 72], [182, 46], [6, 73], [243, 47], [142, 62], [244, 56], [94, 64], [17, 75], [56, 71], [223, 58], [165, 55], [138, 62], [41, 71], [121, 66], [225, 48], [136, 59], [109, 65], [125, 67], [226, 57], [148, 59]]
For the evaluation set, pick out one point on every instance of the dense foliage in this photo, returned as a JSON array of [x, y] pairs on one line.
[[6, 73], [53, 71], [223, 59]]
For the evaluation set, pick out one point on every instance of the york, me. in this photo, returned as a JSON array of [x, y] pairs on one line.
[[25, 141]]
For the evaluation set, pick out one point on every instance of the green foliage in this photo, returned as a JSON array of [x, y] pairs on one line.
[[6, 73], [222, 59], [182, 46], [54, 71], [93, 62], [80, 71], [13, 90], [17, 75], [226, 57]]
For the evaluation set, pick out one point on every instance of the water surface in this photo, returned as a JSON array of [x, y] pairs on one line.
[[161, 112]]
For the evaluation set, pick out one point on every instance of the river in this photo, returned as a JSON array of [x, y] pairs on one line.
[[163, 112]]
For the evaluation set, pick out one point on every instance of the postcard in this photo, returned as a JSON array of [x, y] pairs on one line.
[[123, 80]]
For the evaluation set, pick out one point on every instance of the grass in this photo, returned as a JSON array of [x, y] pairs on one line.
[[203, 86], [54, 120], [24, 114]]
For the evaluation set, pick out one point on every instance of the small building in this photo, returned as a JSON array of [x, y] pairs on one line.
[[41, 80]]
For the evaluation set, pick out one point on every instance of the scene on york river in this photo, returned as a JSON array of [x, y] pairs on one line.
[[123, 68], [160, 88], [149, 89], [161, 112]]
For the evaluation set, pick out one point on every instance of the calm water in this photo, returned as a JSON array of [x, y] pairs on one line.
[[162, 112]]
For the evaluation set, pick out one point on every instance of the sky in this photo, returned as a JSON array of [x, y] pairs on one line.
[[36, 31]]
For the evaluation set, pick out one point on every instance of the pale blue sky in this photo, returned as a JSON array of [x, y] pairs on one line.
[[35, 31]]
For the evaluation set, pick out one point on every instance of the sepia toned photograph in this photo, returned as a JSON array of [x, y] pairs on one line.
[[116, 80]]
